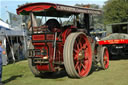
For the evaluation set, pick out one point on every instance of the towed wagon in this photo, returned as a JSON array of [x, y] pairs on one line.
[[117, 39]]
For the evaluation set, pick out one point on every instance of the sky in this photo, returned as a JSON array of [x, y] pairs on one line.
[[11, 5]]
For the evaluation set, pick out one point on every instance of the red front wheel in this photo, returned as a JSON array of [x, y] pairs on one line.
[[77, 55], [104, 58]]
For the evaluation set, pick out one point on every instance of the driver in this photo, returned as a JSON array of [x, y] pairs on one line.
[[53, 25]]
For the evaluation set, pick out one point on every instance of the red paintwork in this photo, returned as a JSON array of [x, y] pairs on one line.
[[38, 44], [47, 67], [35, 7], [38, 37], [59, 48], [67, 32], [116, 41], [43, 67], [106, 58], [42, 37], [41, 46]]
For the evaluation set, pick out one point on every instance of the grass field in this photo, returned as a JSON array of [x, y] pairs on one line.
[[19, 74]]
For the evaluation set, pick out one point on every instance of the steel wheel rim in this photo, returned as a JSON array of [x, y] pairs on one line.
[[81, 55]]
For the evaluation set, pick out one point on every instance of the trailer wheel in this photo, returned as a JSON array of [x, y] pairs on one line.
[[104, 58], [77, 55], [33, 68]]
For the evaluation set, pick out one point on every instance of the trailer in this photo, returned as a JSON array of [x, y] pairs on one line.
[[61, 39], [117, 39]]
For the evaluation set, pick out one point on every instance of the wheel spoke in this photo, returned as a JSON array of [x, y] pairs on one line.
[[83, 66], [76, 51], [106, 53], [78, 68], [78, 46], [86, 52], [84, 45], [76, 65], [86, 57], [80, 42], [76, 57], [105, 59], [80, 65], [105, 62], [86, 62]]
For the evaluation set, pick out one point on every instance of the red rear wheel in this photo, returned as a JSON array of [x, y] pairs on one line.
[[77, 55], [33, 68]]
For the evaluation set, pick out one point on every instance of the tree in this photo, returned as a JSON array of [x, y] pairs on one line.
[[89, 5], [24, 4], [7, 21], [97, 21], [115, 11], [1, 19]]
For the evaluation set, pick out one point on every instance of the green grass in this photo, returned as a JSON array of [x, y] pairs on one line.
[[19, 74]]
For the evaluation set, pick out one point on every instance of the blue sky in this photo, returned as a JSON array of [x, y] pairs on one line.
[[11, 5]]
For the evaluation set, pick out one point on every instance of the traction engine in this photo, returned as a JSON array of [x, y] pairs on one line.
[[57, 47]]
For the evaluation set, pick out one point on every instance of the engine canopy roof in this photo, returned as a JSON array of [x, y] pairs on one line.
[[54, 10]]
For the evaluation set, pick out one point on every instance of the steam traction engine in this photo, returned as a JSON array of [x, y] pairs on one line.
[[57, 46]]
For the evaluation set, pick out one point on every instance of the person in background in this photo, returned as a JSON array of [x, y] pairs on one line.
[[1, 52]]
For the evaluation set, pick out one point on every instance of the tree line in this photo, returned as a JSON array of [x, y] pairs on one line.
[[114, 11]]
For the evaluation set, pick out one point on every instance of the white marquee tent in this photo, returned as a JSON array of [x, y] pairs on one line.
[[7, 33]]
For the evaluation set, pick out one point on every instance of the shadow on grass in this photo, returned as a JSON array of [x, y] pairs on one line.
[[54, 75], [12, 62], [11, 78], [95, 68], [112, 58], [63, 73]]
